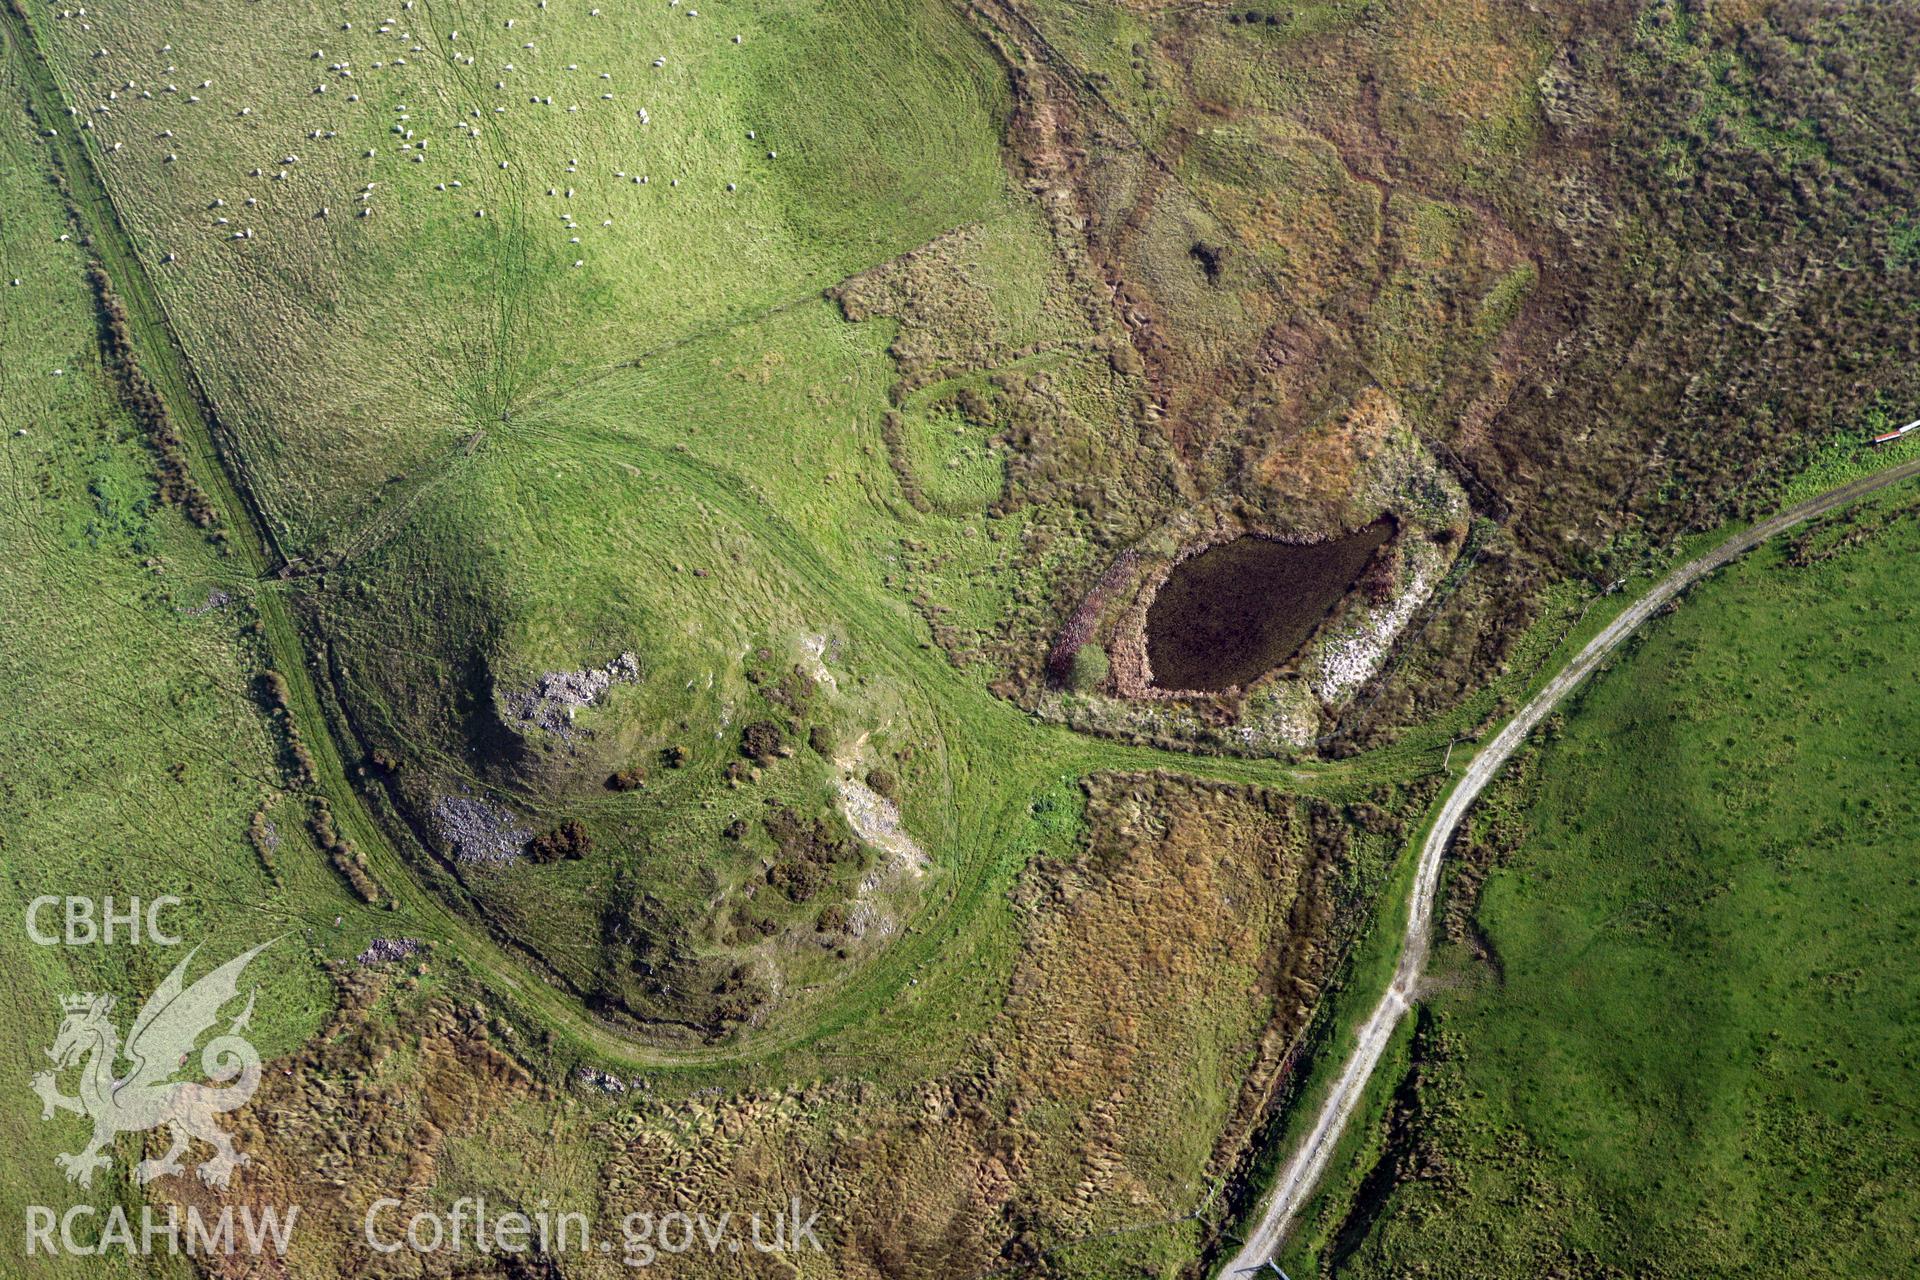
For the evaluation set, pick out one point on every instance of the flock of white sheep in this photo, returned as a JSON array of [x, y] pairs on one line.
[[371, 59]]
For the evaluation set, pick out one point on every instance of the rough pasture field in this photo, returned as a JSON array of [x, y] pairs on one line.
[[1487, 216], [1063, 1118], [1672, 1035], [712, 469]]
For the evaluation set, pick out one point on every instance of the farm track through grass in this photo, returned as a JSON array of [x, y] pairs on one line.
[[1362, 1093], [166, 362], [1699, 889], [135, 751]]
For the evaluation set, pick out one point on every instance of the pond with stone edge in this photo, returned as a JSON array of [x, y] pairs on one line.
[[1232, 613]]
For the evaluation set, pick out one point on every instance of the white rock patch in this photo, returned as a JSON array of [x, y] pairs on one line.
[[876, 819], [1347, 660], [554, 698]]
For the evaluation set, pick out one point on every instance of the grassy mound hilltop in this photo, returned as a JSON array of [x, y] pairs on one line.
[[468, 285]]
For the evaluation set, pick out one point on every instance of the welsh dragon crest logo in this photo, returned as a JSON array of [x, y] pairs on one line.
[[147, 1096]]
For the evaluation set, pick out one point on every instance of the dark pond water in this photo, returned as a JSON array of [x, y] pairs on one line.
[[1235, 612]]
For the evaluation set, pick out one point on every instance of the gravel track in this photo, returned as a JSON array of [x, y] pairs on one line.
[[1304, 1170]]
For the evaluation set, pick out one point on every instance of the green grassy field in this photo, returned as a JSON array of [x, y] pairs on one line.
[[345, 350], [1693, 1056], [512, 464], [135, 752]]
